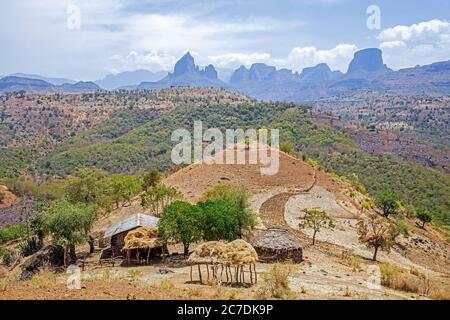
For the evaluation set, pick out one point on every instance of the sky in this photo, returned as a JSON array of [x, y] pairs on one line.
[[85, 39]]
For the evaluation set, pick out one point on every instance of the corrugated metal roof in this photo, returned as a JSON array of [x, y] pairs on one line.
[[135, 221]]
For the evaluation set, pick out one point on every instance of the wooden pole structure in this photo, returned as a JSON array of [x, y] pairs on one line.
[[207, 270], [256, 273], [191, 273], [148, 254], [200, 273], [251, 274], [226, 271]]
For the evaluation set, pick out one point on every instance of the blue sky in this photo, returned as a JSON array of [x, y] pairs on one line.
[[121, 35]]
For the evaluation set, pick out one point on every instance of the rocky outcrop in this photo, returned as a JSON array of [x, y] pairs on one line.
[[366, 62]]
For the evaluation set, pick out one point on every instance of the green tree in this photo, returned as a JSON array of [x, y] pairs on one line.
[[89, 186], [238, 196], [286, 147], [220, 220], [68, 224], [150, 179], [377, 233], [316, 220], [424, 216], [159, 197], [388, 201], [181, 223], [123, 188]]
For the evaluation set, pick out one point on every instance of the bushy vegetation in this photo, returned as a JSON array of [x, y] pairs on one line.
[[222, 215], [68, 224], [157, 198], [181, 223], [377, 233], [6, 257], [316, 220], [12, 232], [419, 187], [133, 141]]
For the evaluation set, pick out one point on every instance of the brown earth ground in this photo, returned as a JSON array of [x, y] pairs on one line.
[[337, 267]]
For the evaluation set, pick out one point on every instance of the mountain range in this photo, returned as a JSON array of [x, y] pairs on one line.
[[261, 81], [13, 83]]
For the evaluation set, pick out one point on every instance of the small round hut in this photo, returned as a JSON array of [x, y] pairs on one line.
[[142, 242], [278, 245]]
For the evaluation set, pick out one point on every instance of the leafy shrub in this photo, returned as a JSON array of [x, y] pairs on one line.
[[402, 227], [12, 232], [29, 247], [7, 257]]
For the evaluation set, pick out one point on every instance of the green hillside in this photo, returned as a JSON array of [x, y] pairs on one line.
[[131, 142]]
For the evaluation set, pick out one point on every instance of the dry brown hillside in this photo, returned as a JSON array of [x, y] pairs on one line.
[[337, 267]]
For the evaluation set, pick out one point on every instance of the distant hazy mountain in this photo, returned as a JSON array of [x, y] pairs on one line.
[[187, 74], [319, 73], [260, 72], [10, 83], [82, 86], [54, 81], [366, 71], [129, 79], [261, 81], [224, 74]]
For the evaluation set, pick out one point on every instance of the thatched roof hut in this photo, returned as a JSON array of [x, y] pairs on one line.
[[117, 232], [143, 240], [278, 245]]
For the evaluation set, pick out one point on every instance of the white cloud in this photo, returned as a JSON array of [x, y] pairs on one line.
[[235, 60], [392, 44], [416, 32], [298, 58], [420, 43], [337, 58], [153, 60]]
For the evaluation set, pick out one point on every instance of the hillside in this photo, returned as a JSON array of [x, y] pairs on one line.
[[336, 267], [134, 140]]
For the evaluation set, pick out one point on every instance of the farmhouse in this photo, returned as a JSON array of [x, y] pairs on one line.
[[117, 232]]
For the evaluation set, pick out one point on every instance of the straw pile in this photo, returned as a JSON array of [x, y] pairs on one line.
[[237, 252], [143, 238]]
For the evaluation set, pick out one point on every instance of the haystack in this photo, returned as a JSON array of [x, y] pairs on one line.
[[208, 253], [143, 239], [278, 245], [215, 254], [239, 252]]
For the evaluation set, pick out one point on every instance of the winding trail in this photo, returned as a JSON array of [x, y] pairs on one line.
[[272, 210]]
